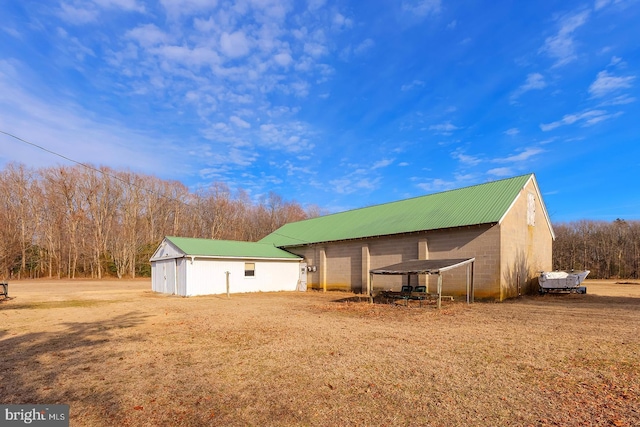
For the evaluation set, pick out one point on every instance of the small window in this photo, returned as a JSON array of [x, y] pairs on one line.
[[249, 269]]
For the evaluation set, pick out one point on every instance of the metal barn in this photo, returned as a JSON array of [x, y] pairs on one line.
[[502, 224]]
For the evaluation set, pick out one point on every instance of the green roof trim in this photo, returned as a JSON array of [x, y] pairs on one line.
[[228, 248], [479, 204]]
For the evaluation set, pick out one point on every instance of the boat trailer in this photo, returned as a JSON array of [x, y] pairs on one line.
[[562, 281]]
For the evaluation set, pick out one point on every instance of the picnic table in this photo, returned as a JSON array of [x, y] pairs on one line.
[[4, 291]]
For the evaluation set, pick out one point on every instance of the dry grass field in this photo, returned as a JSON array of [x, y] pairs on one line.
[[121, 355]]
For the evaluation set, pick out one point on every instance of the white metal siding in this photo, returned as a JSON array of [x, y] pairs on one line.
[[163, 275], [206, 276], [181, 276]]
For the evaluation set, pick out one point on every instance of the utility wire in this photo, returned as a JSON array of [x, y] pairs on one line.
[[92, 168], [115, 177]]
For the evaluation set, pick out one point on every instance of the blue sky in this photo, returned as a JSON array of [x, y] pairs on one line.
[[342, 104]]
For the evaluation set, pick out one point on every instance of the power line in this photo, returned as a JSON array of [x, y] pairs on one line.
[[85, 165]]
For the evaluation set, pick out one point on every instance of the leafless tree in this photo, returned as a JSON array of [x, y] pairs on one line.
[[607, 249], [69, 221]]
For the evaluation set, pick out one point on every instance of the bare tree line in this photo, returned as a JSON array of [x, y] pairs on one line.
[[93, 222], [76, 221], [607, 249]]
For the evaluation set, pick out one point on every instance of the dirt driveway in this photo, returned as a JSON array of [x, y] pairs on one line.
[[120, 354]]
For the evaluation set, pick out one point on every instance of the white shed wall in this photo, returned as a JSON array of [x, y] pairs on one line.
[[207, 276]]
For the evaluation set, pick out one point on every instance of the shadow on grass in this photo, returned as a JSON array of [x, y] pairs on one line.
[[65, 366], [380, 300], [355, 298], [56, 304]]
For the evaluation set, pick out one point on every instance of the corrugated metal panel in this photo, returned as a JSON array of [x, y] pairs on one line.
[[478, 204], [228, 248]]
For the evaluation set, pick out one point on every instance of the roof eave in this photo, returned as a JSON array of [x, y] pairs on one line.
[[230, 257]]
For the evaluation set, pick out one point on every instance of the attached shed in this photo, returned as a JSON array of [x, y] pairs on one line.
[[188, 267], [502, 224]]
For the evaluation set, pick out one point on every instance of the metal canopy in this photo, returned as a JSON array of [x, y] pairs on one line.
[[423, 266], [427, 266]]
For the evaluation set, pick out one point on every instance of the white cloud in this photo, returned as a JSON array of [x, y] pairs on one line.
[[234, 45], [597, 119], [341, 21], [437, 184], [599, 4], [228, 155], [512, 131], [421, 8], [315, 49], [353, 183], [561, 46], [176, 8], [366, 45], [444, 128], [299, 88], [520, 157], [74, 46], [77, 15], [185, 56], [283, 59], [129, 5], [413, 85], [84, 12], [501, 172], [589, 116], [465, 159], [615, 60], [315, 4], [147, 35], [618, 100], [239, 122], [291, 137], [382, 163], [204, 25], [534, 81], [606, 84]]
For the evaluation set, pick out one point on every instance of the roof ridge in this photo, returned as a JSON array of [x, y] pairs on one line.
[[216, 240]]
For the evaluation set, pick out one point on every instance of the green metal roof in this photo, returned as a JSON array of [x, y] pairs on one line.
[[478, 204], [228, 248]]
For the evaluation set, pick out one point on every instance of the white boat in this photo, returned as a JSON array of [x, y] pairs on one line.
[[562, 281]]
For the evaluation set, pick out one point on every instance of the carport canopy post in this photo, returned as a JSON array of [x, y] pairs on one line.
[[439, 290]]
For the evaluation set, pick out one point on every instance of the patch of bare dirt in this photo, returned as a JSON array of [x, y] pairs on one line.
[[120, 354]]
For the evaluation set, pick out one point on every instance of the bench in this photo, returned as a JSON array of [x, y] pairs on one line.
[[4, 290], [404, 294], [409, 293]]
